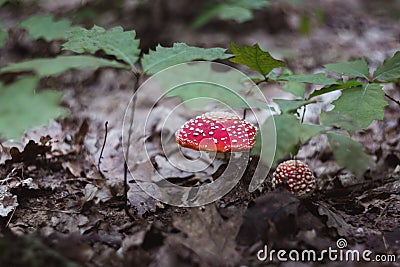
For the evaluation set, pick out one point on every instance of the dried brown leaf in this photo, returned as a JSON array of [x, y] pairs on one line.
[[336, 221], [8, 202], [210, 236], [30, 153], [273, 216]]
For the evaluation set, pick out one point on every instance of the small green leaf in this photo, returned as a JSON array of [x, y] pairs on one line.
[[44, 67], [389, 70], [22, 108], [2, 2], [47, 28], [308, 131], [205, 16], [257, 79], [362, 104], [274, 75], [224, 12], [115, 42], [290, 106], [237, 10], [200, 94], [317, 78], [340, 121], [349, 154], [236, 13], [164, 57], [289, 133], [202, 84], [334, 87], [252, 4], [285, 126], [357, 68], [255, 58], [295, 88]]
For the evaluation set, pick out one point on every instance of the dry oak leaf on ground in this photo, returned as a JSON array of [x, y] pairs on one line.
[[210, 236]]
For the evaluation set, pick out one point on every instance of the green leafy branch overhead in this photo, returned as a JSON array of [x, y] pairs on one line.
[[115, 42], [22, 107], [362, 97], [362, 101]]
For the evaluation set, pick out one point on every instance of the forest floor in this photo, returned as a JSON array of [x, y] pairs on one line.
[[67, 212]]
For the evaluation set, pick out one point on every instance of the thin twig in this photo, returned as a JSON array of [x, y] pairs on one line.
[[304, 113], [249, 91], [261, 81], [130, 131], [12, 215], [102, 149], [394, 100], [54, 210]]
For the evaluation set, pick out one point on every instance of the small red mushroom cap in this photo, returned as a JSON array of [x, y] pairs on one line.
[[218, 132], [296, 176]]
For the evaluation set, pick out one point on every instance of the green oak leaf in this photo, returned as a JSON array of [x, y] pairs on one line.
[[199, 84], [349, 154], [21, 107], [335, 87], [198, 95], [317, 78], [255, 58], [164, 57], [341, 121], [295, 88], [307, 131], [44, 67], [47, 28], [357, 68], [115, 42], [389, 70], [290, 106], [362, 104]]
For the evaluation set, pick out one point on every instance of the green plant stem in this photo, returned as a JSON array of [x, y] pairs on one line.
[[126, 185], [394, 100], [304, 114], [256, 83]]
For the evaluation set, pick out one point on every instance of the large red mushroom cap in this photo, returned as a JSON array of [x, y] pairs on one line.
[[217, 132]]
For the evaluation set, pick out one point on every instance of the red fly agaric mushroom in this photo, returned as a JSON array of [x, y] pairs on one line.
[[220, 132], [296, 176]]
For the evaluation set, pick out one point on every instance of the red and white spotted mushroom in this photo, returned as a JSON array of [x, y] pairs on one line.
[[296, 176], [220, 132]]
